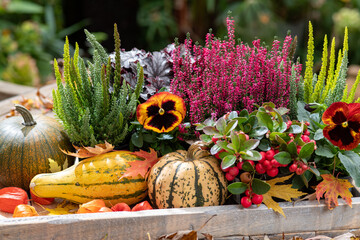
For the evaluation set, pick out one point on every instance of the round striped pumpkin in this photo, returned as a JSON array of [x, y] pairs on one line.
[[190, 178], [98, 177], [26, 145]]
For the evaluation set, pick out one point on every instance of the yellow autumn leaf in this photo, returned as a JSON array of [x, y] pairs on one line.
[[282, 191], [63, 208], [56, 167]]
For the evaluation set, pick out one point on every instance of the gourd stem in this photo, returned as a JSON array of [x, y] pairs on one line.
[[28, 118], [190, 152]]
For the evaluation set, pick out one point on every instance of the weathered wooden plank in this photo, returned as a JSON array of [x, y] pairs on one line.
[[8, 89], [228, 221], [5, 105]]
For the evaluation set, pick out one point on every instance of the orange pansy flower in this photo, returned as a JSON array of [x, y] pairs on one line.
[[161, 113]]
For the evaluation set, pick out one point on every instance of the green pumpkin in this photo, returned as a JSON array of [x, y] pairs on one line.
[[29, 146]]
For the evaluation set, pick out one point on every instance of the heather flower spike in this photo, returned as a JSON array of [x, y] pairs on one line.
[[343, 125], [163, 112]]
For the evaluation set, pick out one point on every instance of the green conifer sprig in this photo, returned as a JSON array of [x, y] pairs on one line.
[[330, 85], [89, 109]]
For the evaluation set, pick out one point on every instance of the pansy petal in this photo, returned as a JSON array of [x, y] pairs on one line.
[[163, 123], [343, 137], [354, 108], [146, 109], [336, 114], [354, 122], [174, 102]]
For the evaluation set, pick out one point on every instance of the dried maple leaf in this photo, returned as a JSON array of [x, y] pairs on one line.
[[26, 102], [334, 187], [282, 191], [45, 101], [141, 166], [63, 208], [86, 152], [181, 235]]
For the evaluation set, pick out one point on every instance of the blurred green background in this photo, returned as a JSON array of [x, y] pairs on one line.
[[33, 31]]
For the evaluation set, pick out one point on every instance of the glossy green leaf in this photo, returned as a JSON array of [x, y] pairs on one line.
[[318, 135], [307, 150], [314, 171], [137, 139], [209, 130], [264, 145], [237, 187], [244, 113], [291, 148], [149, 138], [255, 155], [275, 136], [295, 129], [228, 161], [241, 119], [259, 131], [250, 144], [235, 141], [283, 157], [221, 125], [324, 151], [230, 126], [215, 149], [247, 167], [224, 145], [260, 187], [165, 136], [233, 115], [205, 138], [351, 162]]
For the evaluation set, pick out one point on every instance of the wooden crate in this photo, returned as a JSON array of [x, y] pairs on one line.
[[308, 218]]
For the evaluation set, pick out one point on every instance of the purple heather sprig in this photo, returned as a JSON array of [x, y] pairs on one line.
[[223, 76]]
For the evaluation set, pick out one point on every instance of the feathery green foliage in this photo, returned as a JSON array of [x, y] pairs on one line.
[[351, 96], [309, 65], [331, 88], [90, 110], [315, 97]]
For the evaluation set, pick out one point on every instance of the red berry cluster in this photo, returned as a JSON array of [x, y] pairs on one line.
[[250, 198], [298, 167], [268, 164], [232, 172]]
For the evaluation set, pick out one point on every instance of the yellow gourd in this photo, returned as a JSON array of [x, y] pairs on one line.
[[97, 177]]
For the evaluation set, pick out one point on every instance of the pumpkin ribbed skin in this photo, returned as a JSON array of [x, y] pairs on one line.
[[94, 178], [25, 150], [176, 181]]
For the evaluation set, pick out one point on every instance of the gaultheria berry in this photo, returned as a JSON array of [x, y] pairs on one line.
[[267, 164], [246, 202], [234, 171], [299, 171], [272, 172], [262, 157], [274, 163], [305, 138], [239, 165], [229, 177], [260, 168], [269, 154], [256, 198], [293, 167]]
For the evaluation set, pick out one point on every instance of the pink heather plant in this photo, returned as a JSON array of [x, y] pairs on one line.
[[224, 76]]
